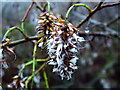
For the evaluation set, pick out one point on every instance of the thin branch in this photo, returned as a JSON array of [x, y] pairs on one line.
[[76, 5], [14, 43], [102, 34], [44, 7], [48, 3], [109, 5], [46, 80], [90, 14], [26, 15], [31, 62], [99, 7], [34, 62], [40, 8], [27, 12], [15, 28], [113, 21], [37, 71]]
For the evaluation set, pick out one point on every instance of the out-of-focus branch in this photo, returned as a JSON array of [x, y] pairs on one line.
[[113, 21], [97, 23], [99, 7], [102, 34], [97, 34]]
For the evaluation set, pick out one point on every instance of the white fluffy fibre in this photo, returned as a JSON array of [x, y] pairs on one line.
[[63, 44], [59, 51]]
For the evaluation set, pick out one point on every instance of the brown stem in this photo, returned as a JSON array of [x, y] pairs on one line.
[[102, 34], [40, 8], [99, 7], [24, 40], [27, 12], [109, 5]]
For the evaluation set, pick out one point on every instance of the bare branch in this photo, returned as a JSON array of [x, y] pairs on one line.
[[40, 8], [14, 43], [99, 7], [109, 5], [27, 12], [113, 21], [102, 34], [97, 34]]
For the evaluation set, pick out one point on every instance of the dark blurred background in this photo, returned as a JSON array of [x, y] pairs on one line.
[[99, 64]]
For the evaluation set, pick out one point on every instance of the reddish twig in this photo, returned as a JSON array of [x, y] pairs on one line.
[[27, 12], [109, 5], [40, 8], [102, 34], [99, 7]]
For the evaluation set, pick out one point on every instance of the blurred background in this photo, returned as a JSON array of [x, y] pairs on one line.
[[99, 64]]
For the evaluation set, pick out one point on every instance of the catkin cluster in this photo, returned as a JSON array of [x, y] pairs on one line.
[[62, 42]]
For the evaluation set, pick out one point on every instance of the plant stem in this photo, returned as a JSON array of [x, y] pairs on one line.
[[34, 62], [30, 62], [22, 26], [76, 5], [48, 3], [26, 15], [46, 80], [34, 55], [98, 7], [27, 12], [30, 77], [25, 40], [39, 7], [14, 28]]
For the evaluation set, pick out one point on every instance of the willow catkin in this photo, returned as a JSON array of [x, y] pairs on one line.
[[63, 44]]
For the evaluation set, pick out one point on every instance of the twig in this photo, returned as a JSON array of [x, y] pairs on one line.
[[31, 62], [99, 7], [76, 5], [26, 15], [113, 21], [37, 71], [48, 3], [109, 5], [24, 40], [34, 62], [40, 8], [27, 12], [98, 24], [15, 28], [102, 34], [30, 77], [44, 7], [46, 80]]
